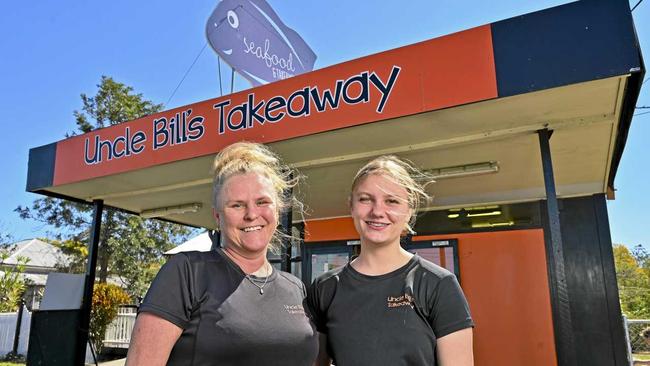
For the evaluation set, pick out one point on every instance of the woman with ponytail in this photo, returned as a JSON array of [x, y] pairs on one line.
[[229, 306], [388, 306]]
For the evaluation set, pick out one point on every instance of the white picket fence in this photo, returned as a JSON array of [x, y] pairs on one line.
[[118, 333], [8, 330]]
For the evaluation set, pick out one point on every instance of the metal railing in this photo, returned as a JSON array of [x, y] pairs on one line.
[[638, 347], [118, 333]]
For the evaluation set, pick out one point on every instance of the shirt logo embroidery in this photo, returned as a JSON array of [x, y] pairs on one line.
[[294, 309], [402, 300]]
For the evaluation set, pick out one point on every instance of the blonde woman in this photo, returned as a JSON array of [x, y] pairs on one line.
[[229, 306], [388, 306]]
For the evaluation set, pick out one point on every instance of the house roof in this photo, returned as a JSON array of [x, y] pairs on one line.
[[200, 243], [41, 255], [33, 279]]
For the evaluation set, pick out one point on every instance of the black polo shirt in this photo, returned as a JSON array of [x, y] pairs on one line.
[[392, 319], [225, 319]]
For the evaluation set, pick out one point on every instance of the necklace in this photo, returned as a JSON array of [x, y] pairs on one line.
[[248, 276]]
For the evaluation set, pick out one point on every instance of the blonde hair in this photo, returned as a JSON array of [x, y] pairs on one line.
[[248, 157], [403, 173]]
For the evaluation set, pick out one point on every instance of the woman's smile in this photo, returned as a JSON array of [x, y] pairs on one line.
[[252, 228], [377, 225]]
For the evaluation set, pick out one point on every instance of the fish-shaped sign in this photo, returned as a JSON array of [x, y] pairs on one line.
[[251, 38]]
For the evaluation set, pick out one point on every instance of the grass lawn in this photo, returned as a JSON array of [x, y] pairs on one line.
[[4, 363], [635, 356]]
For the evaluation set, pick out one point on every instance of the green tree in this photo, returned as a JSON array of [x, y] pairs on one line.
[[5, 237], [633, 283], [141, 260], [130, 247], [76, 253], [642, 257], [12, 284]]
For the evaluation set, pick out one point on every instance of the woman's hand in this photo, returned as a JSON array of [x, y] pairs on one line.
[[455, 349], [152, 340]]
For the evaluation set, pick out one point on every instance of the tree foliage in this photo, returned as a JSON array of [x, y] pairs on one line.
[[130, 247], [5, 237], [141, 259], [113, 104], [106, 300], [12, 284], [633, 277]]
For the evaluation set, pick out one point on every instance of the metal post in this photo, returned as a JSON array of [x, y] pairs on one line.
[[628, 343], [215, 238], [219, 66], [19, 321], [562, 311], [285, 221], [93, 246], [232, 80]]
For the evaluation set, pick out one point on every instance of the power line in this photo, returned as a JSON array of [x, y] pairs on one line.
[[643, 107], [637, 4], [187, 72], [640, 114]]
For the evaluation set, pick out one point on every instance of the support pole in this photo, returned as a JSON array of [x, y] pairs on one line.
[[285, 221], [219, 66], [19, 321], [84, 321], [215, 238], [232, 81], [564, 336]]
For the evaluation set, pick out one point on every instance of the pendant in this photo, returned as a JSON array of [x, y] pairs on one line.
[[261, 291]]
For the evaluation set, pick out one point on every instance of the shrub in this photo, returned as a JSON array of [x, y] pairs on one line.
[[106, 299], [12, 284]]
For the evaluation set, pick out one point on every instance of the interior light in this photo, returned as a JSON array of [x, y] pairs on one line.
[[478, 225], [507, 223], [482, 214], [481, 208], [171, 210], [464, 170], [476, 211]]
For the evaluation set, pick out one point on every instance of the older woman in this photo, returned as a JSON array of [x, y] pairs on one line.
[[388, 306], [229, 306]]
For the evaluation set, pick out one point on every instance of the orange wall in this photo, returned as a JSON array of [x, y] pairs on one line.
[[504, 277], [330, 229]]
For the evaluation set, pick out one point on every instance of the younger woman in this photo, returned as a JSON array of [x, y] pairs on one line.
[[388, 306]]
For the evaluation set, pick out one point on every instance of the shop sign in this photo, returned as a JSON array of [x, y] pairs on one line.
[[253, 40]]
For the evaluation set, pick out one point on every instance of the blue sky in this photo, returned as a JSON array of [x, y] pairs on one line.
[[52, 51]]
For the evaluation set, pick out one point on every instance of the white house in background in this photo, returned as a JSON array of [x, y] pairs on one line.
[[200, 243], [43, 259]]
